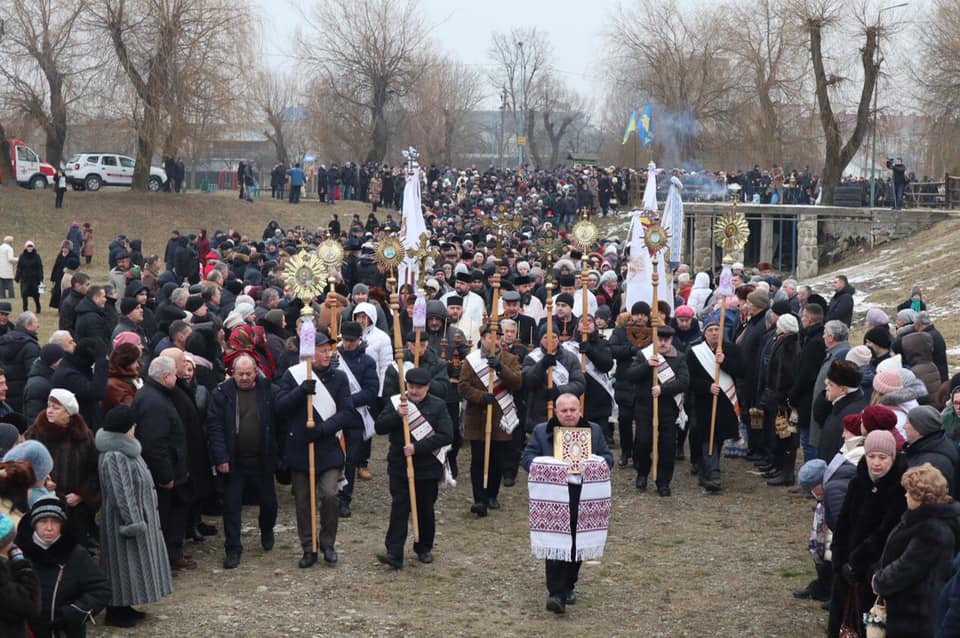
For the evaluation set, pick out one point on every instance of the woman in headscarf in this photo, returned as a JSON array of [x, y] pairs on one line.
[[251, 340], [124, 380]]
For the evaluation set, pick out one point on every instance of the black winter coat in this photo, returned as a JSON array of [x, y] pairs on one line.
[[535, 383], [429, 361], [937, 450], [38, 389], [598, 404], [161, 434], [624, 352], [73, 589], [18, 350], [20, 593], [89, 385], [222, 424], [92, 323], [640, 374], [841, 306], [750, 341], [812, 353], [728, 423], [425, 464], [68, 309], [780, 373], [541, 442], [831, 416], [292, 409], [195, 434], [835, 492], [29, 273], [917, 562]]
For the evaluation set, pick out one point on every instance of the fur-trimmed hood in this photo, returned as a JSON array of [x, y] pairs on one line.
[[117, 442]]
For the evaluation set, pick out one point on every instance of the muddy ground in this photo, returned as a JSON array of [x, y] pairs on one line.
[[689, 565]]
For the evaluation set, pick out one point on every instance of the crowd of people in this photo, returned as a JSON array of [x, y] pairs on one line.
[[178, 391]]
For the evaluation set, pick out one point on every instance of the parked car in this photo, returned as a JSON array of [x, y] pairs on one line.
[[30, 171], [91, 171]]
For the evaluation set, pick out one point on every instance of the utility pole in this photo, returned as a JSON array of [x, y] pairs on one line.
[[521, 137], [503, 112]]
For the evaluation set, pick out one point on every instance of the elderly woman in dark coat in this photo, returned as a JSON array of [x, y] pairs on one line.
[[70, 442], [30, 275], [873, 505], [133, 552], [917, 559]]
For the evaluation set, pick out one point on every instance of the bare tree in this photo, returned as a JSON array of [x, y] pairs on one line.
[[366, 52], [821, 15], [276, 98], [6, 165], [939, 37], [51, 65], [521, 58], [560, 107]]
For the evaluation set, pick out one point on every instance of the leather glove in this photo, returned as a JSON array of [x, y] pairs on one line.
[[586, 347], [549, 360], [494, 363], [308, 386], [848, 574], [489, 399], [553, 393]]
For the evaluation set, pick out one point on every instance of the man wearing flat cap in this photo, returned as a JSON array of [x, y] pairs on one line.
[[431, 433], [332, 413], [512, 309]]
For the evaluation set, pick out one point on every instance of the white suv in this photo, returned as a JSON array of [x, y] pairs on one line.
[[90, 171]]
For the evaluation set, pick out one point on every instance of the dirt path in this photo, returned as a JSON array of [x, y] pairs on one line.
[[690, 565]]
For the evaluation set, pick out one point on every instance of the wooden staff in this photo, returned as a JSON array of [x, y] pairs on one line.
[[550, 348], [655, 310], [398, 354], [307, 314], [488, 428], [332, 304], [583, 330], [443, 342], [716, 374]]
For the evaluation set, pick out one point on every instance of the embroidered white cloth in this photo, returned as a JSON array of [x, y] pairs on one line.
[[421, 429], [561, 376], [550, 534], [600, 377], [364, 411], [707, 359], [666, 374], [510, 420]]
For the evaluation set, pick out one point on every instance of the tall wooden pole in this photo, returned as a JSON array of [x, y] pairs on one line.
[[488, 427], [550, 348], [307, 314], [334, 333], [398, 355], [583, 328], [657, 321], [716, 374]]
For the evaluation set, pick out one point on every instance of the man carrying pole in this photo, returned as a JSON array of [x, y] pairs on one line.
[[488, 380]]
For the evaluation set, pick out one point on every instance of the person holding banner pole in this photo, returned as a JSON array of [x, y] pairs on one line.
[[332, 411]]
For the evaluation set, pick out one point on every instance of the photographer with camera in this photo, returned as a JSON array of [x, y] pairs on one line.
[[899, 171]]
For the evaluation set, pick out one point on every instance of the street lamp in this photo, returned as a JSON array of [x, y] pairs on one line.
[[523, 81], [876, 90]]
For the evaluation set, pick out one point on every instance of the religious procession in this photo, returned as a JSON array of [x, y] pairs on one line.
[[461, 345]]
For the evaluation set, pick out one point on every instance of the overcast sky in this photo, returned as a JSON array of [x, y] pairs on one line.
[[463, 29]]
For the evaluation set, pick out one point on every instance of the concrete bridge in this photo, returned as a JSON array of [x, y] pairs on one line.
[[799, 239]]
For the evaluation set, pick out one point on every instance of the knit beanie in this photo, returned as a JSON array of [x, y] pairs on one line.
[[9, 434], [684, 312], [859, 355], [880, 335], [274, 317], [887, 381], [811, 473], [880, 441], [906, 316], [759, 299], [128, 305], [852, 423], [67, 399], [877, 317], [894, 363], [126, 337], [787, 324], [8, 531], [34, 453], [120, 419], [51, 353], [47, 507], [925, 419], [878, 417]]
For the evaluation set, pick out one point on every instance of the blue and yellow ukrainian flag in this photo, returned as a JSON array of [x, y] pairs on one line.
[[631, 127], [646, 127]]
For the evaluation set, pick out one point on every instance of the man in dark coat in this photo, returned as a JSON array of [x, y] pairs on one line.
[[625, 351], [928, 443], [38, 386], [91, 318], [242, 438], [79, 284], [332, 413], [598, 403], [186, 262], [841, 396], [841, 304], [561, 575], [164, 442], [701, 363], [923, 323], [812, 353], [670, 386], [750, 340], [19, 348], [427, 468], [535, 366], [361, 371], [85, 372]]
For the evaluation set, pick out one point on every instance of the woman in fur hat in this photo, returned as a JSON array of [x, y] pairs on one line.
[[65, 434]]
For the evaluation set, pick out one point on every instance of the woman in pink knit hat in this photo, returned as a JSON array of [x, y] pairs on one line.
[[889, 392]]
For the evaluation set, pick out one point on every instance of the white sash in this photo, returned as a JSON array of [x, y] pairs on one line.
[[708, 361], [364, 411], [421, 429], [600, 377], [666, 374], [509, 421], [561, 376], [323, 403]]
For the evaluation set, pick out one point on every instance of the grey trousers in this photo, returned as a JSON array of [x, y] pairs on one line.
[[327, 507]]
